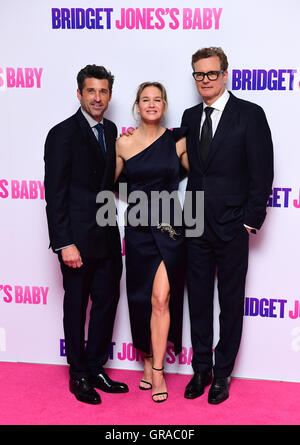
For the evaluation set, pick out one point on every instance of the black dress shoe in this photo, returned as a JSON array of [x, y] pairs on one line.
[[84, 392], [103, 381], [196, 386], [219, 390]]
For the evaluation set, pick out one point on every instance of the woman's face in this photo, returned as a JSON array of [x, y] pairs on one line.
[[151, 105]]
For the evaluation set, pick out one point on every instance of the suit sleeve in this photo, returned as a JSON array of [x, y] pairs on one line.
[[57, 159], [259, 148], [184, 123]]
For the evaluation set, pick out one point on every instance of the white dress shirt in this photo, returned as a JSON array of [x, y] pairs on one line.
[[218, 107], [92, 122]]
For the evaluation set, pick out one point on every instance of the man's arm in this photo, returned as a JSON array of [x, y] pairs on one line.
[[260, 166], [57, 159]]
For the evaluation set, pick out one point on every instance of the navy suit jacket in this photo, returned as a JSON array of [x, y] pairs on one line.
[[237, 176], [75, 172]]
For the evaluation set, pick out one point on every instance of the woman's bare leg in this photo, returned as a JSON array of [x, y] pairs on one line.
[[160, 325]]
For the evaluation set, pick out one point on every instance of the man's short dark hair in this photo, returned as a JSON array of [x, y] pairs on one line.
[[212, 51], [98, 72]]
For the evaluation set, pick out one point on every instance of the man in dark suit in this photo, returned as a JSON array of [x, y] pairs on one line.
[[79, 163], [230, 155]]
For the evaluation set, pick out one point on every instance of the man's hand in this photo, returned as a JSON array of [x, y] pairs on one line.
[[71, 256], [250, 229], [129, 132]]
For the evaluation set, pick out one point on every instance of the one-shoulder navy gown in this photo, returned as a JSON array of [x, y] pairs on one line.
[[156, 168]]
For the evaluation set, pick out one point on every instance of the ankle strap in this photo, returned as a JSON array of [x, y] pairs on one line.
[[157, 369]]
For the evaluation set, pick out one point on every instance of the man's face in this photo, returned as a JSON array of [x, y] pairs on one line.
[[210, 90], [94, 97]]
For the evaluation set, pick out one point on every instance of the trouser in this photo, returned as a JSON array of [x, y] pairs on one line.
[[207, 256], [98, 279]]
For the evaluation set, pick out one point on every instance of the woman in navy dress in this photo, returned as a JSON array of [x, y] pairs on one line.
[[155, 251]]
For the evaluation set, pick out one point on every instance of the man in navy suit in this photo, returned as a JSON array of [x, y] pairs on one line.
[[79, 163], [230, 155]]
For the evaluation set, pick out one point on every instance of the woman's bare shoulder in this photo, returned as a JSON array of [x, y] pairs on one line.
[[127, 140]]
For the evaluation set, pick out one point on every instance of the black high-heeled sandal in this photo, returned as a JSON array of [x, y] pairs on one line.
[[159, 393], [145, 381]]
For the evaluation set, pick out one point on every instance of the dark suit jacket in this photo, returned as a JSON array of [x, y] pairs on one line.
[[75, 172], [237, 177]]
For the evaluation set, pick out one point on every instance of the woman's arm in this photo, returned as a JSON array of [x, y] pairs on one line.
[[119, 160], [182, 153]]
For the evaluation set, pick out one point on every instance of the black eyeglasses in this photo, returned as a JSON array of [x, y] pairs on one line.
[[211, 75]]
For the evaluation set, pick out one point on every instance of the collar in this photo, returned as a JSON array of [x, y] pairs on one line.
[[92, 122], [220, 103]]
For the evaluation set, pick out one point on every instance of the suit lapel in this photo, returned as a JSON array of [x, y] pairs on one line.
[[223, 128], [90, 139], [109, 141], [110, 149], [197, 115]]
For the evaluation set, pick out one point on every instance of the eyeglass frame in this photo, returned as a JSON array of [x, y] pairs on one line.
[[207, 75]]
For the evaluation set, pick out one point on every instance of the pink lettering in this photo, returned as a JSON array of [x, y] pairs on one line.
[[36, 299], [197, 22], [207, 21], [296, 312], [3, 185], [122, 356], [170, 356], [20, 82], [185, 356], [27, 295], [125, 129], [187, 18], [22, 190], [130, 352], [38, 75], [297, 203], [173, 13], [150, 18], [33, 190], [42, 189], [10, 77], [2, 83], [15, 186], [8, 297], [44, 292], [217, 16], [29, 77], [23, 78], [158, 14], [145, 18], [18, 294]]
